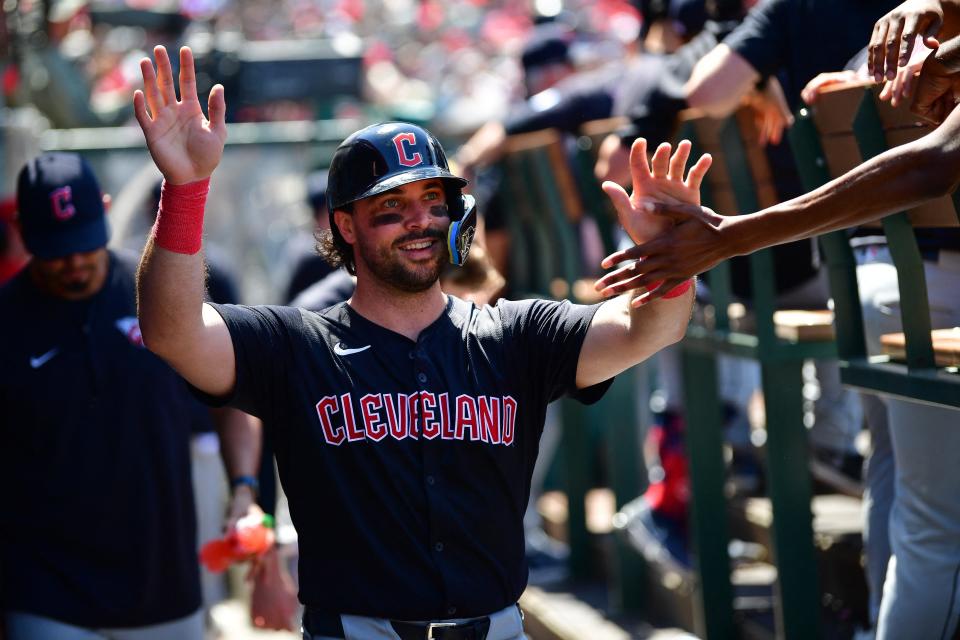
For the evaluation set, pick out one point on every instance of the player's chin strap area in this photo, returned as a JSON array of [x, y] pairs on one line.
[[461, 232]]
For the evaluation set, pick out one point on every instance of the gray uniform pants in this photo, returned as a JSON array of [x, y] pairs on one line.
[[506, 624], [921, 592], [27, 626]]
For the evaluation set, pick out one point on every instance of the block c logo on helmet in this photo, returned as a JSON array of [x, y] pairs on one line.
[[402, 157]]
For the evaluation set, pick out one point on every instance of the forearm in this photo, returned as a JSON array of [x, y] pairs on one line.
[[622, 336], [170, 294], [240, 441], [896, 180], [719, 81], [484, 147], [662, 322]]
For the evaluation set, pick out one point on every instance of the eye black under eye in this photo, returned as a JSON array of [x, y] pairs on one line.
[[386, 218]]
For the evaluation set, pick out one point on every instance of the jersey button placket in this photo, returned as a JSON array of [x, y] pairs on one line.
[[422, 378]]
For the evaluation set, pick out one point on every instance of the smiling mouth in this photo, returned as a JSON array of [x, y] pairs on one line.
[[419, 245]]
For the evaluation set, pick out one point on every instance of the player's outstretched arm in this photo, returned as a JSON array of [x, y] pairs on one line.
[[186, 147], [625, 330], [895, 180]]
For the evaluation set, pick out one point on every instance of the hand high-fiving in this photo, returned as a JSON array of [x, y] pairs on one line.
[[185, 146], [661, 179]]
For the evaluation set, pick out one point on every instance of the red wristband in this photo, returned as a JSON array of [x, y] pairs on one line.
[[179, 225], [676, 292]]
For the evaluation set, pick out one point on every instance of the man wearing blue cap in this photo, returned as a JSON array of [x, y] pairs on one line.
[[97, 533]]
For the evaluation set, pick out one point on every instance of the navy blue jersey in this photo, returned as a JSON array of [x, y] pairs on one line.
[[97, 528], [407, 463]]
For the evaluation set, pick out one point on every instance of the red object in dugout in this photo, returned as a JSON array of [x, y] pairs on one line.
[[252, 537]]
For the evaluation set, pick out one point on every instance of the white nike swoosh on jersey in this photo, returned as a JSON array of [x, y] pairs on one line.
[[341, 350], [39, 361]]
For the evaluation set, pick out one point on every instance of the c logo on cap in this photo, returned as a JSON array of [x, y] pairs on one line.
[[62, 202], [404, 159]]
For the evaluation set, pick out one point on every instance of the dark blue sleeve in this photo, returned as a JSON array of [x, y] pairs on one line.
[[567, 113], [543, 342], [763, 39], [263, 343]]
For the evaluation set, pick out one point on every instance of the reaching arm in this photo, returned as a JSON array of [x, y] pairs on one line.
[[240, 442], [895, 180], [626, 331], [483, 148], [719, 81], [176, 325]]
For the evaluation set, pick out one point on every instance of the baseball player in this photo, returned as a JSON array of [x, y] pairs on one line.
[[405, 420], [97, 531]]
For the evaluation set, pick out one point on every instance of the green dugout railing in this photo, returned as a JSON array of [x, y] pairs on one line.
[[538, 172], [845, 128], [741, 181], [547, 195]]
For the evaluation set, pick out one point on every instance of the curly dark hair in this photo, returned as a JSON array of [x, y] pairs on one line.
[[333, 248]]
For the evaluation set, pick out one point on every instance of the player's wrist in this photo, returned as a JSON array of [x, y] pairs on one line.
[[243, 484], [677, 291], [680, 289], [179, 225]]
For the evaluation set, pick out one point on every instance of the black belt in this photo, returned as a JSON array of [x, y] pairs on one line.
[[318, 623]]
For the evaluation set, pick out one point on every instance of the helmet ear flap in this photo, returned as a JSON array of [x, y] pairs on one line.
[[461, 231]]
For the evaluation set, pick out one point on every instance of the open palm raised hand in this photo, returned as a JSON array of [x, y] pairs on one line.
[[660, 180], [185, 146]]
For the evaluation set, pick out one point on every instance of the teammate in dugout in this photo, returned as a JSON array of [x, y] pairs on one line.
[[406, 421]]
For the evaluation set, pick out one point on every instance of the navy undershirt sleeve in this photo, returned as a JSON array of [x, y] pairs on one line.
[[567, 113]]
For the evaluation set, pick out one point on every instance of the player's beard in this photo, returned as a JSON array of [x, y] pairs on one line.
[[388, 266]]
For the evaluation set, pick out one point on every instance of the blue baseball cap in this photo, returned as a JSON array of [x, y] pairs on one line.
[[60, 206], [547, 44]]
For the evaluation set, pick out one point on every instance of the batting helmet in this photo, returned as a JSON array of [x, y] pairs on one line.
[[387, 155]]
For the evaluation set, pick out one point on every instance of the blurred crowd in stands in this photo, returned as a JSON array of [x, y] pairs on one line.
[[449, 62]]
